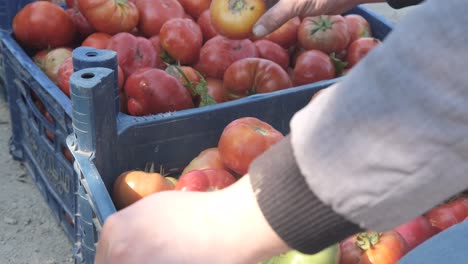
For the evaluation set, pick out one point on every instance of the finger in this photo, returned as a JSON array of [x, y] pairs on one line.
[[276, 16]]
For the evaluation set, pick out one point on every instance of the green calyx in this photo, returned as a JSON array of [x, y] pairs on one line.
[[236, 5], [367, 240], [322, 24]]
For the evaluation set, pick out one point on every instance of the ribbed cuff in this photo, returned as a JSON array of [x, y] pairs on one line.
[[301, 220], [397, 4]]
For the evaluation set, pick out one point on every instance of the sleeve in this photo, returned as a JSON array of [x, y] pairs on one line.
[[381, 147], [397, 4]]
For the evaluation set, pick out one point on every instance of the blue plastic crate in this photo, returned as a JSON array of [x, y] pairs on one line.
[[106, 142], [8, 10]]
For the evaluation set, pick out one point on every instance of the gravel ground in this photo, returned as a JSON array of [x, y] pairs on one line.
[[30, 234]]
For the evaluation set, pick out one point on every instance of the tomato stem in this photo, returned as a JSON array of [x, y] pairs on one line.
[[367, 240], [236, 5], [323, 24]]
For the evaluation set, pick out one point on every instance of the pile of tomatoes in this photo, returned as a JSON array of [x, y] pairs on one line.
[[181, 54]]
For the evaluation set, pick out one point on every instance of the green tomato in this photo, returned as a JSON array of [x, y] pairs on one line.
[[330, 255]]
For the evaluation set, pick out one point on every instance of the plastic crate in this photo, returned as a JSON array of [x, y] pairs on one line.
[[8, 10], [105, 142]]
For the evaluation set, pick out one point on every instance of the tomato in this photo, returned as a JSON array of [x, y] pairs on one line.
[[97, 40], [416, 231], [207, 159], [254, 75], [110, 16], [182, 39], [448, 214], [219, 52], [191, 78], [160, 63], [204, 21], [40, 25], [153, 91], [54, 60], [235, 18], [132, 186], [330, 255], [215, 89], [358, 27], [359, 48], [204, 180], [324, 33], [132, 52], [243, 140], [49, 118], [154, 13], [63, 75], [312, 66], [271, 51], [39, 58], [286, 35], [195, 7], [83, 27], [373, 248]]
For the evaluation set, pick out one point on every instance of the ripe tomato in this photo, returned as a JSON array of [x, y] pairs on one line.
[[448, 214], [416, 231], [132, 52], [97, 40], [195, 7], [219, 52], [132, 186], [373, 248], [215, 89], [39, 58], [154, 13], [254, 75], [155, 41], [54, 60], [152, 91], [358, 27], [286, 35], [204, 21], [63, 75], [40, 25], [83, 27], [182, 39], [243, 140], [207, 159], [110, 16], [359, 48], [206, 180], [271, 51], [312, 66], [325, 33], [235, 18]]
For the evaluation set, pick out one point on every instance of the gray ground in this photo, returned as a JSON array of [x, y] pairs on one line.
[[29, 232]]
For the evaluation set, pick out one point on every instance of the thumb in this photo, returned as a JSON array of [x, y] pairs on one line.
[[275, 17]]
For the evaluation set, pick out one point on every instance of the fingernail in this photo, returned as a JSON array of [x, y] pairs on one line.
[[259, 31]]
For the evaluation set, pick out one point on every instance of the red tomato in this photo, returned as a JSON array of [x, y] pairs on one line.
[[243, 140], [182, 39], [312, 66], [216, 89], [324, 33], [40, 25], [204, 21], [97, 40], [286, 35], [63, 75], [132, 52], [207, 159], [83, 27], [54, 60], [219, 52], [206, 180], [235, 18], [358, 27], [416, 231], [132, 186], [195, 7], [448, 214], [193, 77], [252, 76], [359, 48], [154, 13], [271, 51], [110, 16], [155, 41], [152, 91]]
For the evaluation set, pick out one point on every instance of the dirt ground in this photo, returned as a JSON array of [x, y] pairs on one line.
[[29, 232]]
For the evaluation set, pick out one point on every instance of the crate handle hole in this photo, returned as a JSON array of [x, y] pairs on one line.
[[91, 54], [87, 75]]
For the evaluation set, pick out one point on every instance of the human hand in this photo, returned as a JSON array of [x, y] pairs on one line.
[[226, 226], [280, 11]]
